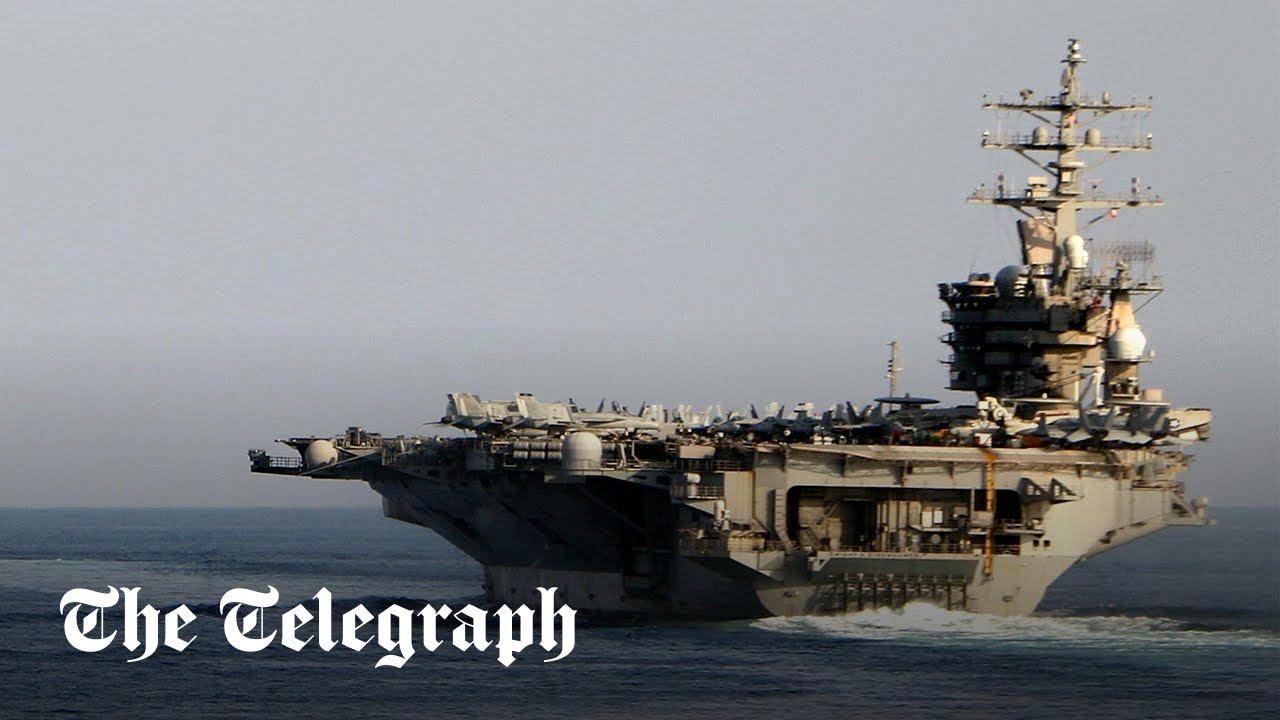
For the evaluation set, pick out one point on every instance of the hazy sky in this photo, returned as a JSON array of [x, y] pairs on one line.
[[225, 223]]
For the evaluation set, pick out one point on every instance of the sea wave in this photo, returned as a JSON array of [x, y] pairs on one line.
[[923, 623]]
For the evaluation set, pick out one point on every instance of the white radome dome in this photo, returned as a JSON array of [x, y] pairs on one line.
[[581, 451], [1127, 343], [1077, 256], [318, 453]]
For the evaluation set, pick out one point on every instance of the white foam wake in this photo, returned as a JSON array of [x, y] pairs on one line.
[[922, 623]]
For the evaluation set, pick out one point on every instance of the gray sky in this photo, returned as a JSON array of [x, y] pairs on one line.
[[224, 223]]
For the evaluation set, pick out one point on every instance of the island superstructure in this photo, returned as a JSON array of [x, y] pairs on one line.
[[680, 513]]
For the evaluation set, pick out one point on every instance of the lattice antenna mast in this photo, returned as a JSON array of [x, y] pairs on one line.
[[1066, 134]]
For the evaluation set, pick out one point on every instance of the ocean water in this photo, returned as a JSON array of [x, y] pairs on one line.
[[1184, 624]]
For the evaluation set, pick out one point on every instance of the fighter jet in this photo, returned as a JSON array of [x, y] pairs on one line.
[[527, 413]]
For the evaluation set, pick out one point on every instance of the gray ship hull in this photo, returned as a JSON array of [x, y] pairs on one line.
[[617, 543]]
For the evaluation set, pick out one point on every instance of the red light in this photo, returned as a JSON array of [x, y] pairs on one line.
[[1112, 212]]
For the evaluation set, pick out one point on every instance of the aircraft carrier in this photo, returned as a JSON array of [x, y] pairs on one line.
[[684, 513]]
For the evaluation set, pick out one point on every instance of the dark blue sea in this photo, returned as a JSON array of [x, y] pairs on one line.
[[1184, 624]]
